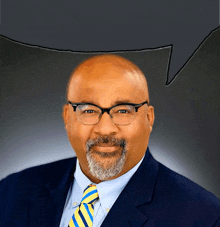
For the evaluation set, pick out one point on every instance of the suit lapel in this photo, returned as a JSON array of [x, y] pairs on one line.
[[47, 203], [138, 191]]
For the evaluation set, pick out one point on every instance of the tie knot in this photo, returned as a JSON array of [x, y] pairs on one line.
[[90, 194]]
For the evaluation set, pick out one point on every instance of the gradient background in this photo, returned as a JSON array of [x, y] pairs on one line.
[[33, 80], [186, 133]]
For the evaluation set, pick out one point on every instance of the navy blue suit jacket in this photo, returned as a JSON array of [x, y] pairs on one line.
[[154, 197]]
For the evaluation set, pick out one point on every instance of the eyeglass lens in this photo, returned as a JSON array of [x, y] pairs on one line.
[[121, 115]]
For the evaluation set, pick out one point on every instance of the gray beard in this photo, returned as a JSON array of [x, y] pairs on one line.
[[96, 168]]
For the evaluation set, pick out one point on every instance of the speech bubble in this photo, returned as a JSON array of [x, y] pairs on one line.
[[113, 25]]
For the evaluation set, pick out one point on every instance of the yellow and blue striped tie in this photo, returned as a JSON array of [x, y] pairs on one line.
[[83, 216]]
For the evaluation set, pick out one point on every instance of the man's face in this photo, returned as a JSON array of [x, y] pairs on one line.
[[106, 150]]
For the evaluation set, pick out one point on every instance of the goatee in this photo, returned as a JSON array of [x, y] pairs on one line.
[[109, 167]]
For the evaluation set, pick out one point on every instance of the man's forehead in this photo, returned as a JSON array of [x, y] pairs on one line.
[[101, 75], [111, 77], [106, 96]]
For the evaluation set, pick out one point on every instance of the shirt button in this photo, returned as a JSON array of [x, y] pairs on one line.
[[75, 203], [107, 209]]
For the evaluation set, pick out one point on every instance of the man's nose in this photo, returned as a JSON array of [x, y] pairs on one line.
[[106, 126]]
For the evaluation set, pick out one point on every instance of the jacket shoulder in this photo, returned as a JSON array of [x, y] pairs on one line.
[[34, 176], [18, 191], [183, 196], [181, 186]]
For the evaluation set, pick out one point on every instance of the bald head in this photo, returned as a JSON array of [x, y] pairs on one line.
[[110, 68]]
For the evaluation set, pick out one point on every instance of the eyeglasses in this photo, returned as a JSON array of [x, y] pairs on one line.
[[121, 114]]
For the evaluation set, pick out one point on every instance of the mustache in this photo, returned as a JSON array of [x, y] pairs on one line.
[[111, 141]]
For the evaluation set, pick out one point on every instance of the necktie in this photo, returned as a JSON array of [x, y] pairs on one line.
[[83, 216]]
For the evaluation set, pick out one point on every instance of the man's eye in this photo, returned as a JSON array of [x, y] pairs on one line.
[[123, 111], [88, 111]]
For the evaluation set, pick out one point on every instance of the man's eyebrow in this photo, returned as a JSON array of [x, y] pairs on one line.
[[121, 101], [84, 101]]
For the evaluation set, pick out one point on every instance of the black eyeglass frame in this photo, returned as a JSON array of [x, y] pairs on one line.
[[136, 106]]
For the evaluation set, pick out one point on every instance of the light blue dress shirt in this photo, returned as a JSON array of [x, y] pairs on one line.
[[108, 193]]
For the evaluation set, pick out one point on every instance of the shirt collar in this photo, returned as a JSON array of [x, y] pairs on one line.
[[81, 178]]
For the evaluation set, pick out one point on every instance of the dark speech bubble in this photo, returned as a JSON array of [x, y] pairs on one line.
[[113, 25]]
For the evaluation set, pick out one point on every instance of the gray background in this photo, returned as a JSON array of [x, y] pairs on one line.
[[186, 133], [33, 80], [104, 25]]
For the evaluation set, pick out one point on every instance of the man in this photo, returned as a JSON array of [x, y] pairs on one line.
[[114, 181]]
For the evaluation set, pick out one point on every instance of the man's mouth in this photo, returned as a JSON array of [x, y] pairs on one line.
[[105, 148]]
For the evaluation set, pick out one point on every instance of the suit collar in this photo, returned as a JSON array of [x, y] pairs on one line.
[[47, 201], [138, 191]]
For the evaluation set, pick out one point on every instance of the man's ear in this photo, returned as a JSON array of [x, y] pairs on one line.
[[65, 114], [150, 116]]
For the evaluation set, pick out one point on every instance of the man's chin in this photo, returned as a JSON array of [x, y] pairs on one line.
[[105, 165], [105, 161]]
